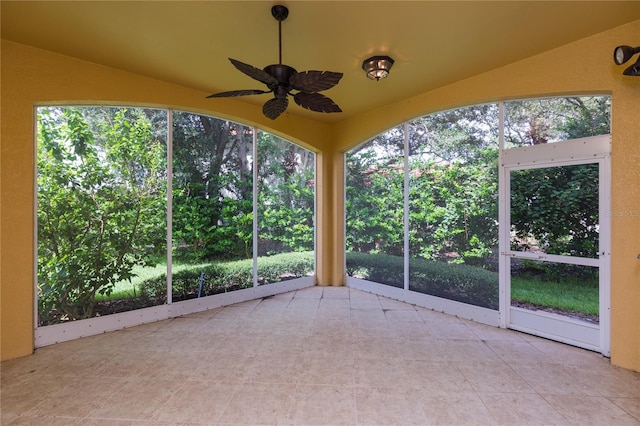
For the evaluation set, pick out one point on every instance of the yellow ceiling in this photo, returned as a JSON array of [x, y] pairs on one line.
[[434, 43]]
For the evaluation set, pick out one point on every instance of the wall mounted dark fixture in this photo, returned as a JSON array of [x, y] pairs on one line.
[[377, 67], [622, 54]]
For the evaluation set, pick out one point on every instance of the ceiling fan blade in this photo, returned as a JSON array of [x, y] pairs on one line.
[[255, 73], [316, 102], [274, 107], [315, 81], [233, 93]]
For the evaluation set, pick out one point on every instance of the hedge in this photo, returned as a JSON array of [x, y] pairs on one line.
[[463, 283], [221, 277]]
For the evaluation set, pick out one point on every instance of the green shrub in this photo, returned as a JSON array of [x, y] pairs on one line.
[[220, 277], [463, 283]]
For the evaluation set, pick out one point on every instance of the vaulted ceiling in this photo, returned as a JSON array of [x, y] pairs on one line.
[[188, 43]]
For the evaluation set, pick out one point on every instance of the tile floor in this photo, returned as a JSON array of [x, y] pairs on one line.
[[318, 356]]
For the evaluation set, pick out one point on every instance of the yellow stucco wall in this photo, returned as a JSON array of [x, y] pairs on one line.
[[31, 77]]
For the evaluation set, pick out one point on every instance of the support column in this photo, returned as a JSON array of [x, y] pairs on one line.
[[330, 219]]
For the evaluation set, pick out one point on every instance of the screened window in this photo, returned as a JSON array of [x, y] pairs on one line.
[[110, 200]]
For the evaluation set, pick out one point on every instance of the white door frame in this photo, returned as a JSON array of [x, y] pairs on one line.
[[595, 149]]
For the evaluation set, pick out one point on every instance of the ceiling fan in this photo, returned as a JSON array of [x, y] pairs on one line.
[[282, 79]]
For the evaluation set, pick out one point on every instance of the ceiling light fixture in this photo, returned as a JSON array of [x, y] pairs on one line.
[[377, 67], [622, 54]]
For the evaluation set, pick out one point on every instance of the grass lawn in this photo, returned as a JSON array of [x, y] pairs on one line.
[[570, 295]]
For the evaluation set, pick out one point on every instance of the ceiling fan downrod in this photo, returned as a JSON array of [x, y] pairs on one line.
[[280, 12]]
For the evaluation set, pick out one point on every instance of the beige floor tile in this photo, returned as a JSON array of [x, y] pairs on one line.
[[303, 305], [411, 330], [434, 378], [493, 377], [366, 327], [461, 351], [323, 345], [555, 379], [239, 344], [309, 293], [434, 317], [488, 332], [518, 352], [316, 356], [39, 361], [560, 353], [282, 344], [364, 302], [43, 421], [134, 400], [79, 397], [371, 373], [116, 422], [335, 304], [389, 406], [80, 363], [259, 404], [128, 365], [458, 408], [333, 327], [403, 315], [376, 347], [173, 365], [590, 410], [456, 331], [364, 314], [22, 394], [612, 381], [522, 409], [325, 370], [336, 293], [234, 312], [300, 328], [233, 369], [196, 402], [322, 405], [630, 405], [394, 304], [416, 348], [282, 369]]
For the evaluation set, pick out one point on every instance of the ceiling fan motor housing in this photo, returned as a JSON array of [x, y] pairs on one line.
[[281, 72]]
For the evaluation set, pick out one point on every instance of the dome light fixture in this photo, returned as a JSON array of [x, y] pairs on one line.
[[377, 67], [622, 54]]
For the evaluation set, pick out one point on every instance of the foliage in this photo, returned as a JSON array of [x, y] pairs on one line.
[[212, 188], [462, 283], [213, 196], [101, 202], [557, 209], [453, 188], [285, 196], [539, 121], [221, 277]]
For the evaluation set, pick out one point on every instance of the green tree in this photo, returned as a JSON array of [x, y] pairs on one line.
[[212, 188], [556, 209], [285, 196], [101, 204]]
